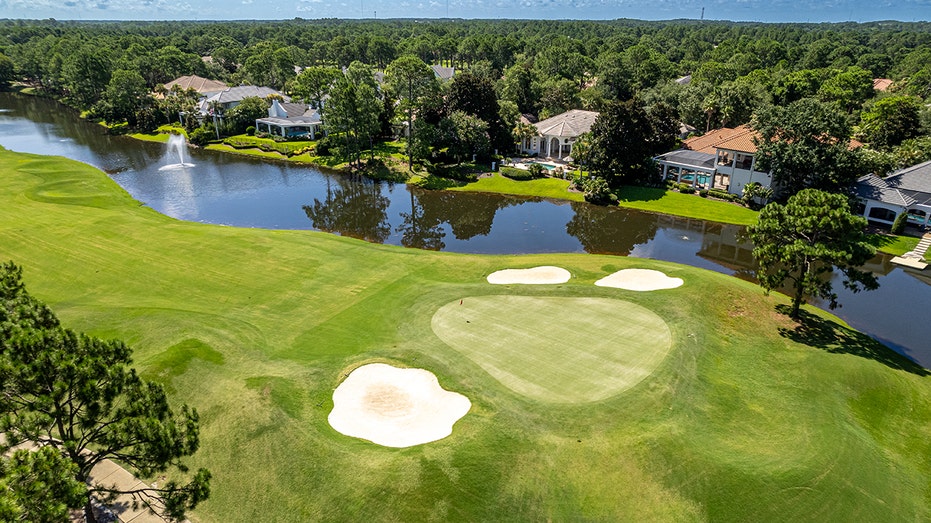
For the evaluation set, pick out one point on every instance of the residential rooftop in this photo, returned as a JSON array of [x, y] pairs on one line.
[[569, 123], [904, 187]]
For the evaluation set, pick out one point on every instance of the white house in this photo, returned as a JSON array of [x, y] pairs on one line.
[[290, 120], [906, 190], [722, 159], [556, 135]]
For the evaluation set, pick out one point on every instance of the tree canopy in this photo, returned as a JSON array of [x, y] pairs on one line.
[[806, 145], [799, 245], [80, 396], [625, 137]]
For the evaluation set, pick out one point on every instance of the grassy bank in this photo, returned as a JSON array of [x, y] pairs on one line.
[[748, 416]]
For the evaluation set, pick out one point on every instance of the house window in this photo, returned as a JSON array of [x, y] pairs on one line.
[[883, 214], [744, 161]]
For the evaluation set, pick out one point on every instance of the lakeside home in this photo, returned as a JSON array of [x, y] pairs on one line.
[[723, 158], [290, 120], [906, 190], [556, 135]]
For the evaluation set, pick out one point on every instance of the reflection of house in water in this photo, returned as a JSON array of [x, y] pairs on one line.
[[725, 244]]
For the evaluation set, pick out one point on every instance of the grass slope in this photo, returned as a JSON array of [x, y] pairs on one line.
[[749, 417]]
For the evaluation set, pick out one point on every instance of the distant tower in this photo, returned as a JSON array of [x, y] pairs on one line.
[[702, 13]]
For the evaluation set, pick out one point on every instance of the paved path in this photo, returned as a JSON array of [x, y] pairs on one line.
[[109, 474]]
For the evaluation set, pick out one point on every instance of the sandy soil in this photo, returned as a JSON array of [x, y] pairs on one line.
[[538, 275], [395, 407], [639, 280]]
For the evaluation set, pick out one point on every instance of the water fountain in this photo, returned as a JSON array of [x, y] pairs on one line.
[[177, 145]]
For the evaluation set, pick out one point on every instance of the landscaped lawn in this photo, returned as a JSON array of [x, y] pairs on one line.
[[687, 205], [746, 418], [541, 187]]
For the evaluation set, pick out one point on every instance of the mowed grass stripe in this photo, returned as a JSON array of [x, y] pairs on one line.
[[557, 349]]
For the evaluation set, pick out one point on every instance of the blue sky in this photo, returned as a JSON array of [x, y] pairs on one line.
[[757, 10]]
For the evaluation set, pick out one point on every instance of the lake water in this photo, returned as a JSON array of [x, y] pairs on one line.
[[245, 192]]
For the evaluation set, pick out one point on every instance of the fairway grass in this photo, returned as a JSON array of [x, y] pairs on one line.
[[749, 417], [608, 347]]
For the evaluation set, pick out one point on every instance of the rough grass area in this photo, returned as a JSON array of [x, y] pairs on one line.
[[608, 347], [750, 417]]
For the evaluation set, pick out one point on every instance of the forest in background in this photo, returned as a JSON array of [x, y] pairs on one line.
[[536, 67]]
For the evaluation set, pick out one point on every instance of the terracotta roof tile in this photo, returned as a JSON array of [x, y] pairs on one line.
[[881, 84], [737, 139], [198, 83]]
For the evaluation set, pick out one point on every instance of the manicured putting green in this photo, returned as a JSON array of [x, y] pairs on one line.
[[557, 349]]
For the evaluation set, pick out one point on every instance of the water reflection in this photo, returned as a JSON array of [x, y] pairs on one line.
[[351, 207], [603, 230]]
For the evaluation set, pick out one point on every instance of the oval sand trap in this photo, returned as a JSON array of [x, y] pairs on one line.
[[395, 407], [546, 274], [557, 349], [639, 280]]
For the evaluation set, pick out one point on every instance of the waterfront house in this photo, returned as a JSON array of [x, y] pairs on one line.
[[906, 190], [290, 120], [721, 159], [556, 135]]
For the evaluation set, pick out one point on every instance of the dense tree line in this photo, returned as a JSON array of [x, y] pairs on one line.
[[539, 68]]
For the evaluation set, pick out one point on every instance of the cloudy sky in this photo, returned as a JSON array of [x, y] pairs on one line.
[[759, 10]]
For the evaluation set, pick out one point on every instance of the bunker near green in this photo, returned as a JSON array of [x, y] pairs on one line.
[[557, 349]]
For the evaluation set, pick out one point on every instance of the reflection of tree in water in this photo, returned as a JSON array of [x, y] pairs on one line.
[[604, 230], [420, 231], [468, 214], [355, 207]]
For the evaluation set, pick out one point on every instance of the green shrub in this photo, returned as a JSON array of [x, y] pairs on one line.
[[325, 146], [250, 130], [516, 174], [201, 136], [722, 195], [597, 190], [685, 188], [703, 193], [898, 226], [536, 170]]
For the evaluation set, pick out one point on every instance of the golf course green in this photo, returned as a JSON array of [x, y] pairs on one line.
[[527, 343], [741, 415]]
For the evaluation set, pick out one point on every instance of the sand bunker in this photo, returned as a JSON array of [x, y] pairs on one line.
[[395, 407], [639, 280], [535, 276]]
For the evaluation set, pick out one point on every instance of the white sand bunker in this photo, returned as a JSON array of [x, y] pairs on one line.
[[538, 275], [395, 407], [639, 280]]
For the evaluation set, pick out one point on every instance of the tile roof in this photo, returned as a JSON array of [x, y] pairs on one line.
[[904, 187], [198, 83], [881, 84], [875, 188], [736, 139], [236, 94], [569, 123]]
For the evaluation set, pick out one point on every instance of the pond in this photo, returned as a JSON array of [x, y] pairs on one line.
[[241, 191]]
